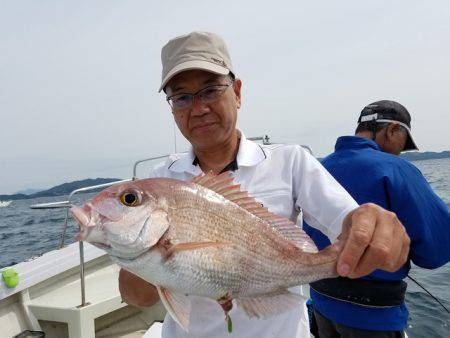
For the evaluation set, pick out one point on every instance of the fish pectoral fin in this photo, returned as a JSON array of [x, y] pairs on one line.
[[177, 304], [270, 304], [190, 246]]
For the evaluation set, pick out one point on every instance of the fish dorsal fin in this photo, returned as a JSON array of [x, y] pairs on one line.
[[223, 184]]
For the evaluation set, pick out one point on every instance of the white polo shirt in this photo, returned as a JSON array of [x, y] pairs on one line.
[[284, 178]]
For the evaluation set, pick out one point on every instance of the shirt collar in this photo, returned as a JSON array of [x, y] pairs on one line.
[[232, 166], [249, 154], [355, 142]]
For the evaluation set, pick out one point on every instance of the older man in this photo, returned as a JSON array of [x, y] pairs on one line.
[[205, 96], [366, 165]]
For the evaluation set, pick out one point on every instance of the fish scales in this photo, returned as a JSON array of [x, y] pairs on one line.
[[253, 248]]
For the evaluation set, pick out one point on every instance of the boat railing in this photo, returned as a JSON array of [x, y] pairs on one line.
[[145, 160], [265, 140]]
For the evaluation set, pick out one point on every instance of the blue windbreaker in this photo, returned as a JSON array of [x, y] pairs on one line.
[[371, 175]]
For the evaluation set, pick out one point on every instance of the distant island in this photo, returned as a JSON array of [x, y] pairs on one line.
[[420, 156], [29, 191], [62, 189], [426, 155], [67, 188]]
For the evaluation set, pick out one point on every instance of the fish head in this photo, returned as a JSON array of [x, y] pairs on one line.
[[125, 220]]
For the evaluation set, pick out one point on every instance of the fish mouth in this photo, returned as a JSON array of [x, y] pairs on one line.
[[83, 218], [89, 218], [87, 221], [80, 215]]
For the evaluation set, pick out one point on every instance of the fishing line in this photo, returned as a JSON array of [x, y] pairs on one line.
[[437, 300], [174, 135]]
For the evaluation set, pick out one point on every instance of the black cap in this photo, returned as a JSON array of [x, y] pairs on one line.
[[389, 111]]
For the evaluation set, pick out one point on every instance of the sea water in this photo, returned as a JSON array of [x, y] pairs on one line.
[[26, 233]]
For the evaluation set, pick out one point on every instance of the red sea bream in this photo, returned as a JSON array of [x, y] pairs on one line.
[[205, 238]]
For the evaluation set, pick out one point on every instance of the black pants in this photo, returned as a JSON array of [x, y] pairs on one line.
[[329, 329]]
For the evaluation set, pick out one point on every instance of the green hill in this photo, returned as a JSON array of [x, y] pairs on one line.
[[62, 189]]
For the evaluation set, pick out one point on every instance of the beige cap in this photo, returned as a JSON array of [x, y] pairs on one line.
[[196, 50]]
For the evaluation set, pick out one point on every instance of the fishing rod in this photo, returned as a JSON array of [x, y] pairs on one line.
[[437, 300]]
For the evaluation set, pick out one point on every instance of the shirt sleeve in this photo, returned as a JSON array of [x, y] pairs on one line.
[[324, 202], [425, 216]]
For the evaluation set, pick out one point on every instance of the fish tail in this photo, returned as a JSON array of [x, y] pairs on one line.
[[323, 263]]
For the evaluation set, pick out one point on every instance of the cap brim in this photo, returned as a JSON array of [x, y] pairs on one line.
[[189, 65], [410, 144]]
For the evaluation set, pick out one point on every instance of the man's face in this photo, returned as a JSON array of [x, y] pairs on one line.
[[206, 125], [394, 139]]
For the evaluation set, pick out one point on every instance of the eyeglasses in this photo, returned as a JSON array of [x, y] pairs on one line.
[[208, 94]]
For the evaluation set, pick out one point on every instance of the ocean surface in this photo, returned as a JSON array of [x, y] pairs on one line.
[[26, 233]]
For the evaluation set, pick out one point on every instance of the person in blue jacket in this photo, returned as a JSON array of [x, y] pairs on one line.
[[368, 167]]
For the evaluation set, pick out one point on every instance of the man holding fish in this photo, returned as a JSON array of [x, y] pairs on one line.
[[217, 241]]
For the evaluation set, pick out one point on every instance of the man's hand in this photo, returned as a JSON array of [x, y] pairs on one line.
[[373, 239], [136, 291]]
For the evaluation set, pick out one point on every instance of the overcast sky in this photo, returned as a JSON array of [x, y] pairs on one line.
[[79, 79]]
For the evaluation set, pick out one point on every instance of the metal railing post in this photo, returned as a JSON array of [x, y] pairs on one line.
[[80, 243], [82, 279], [63, 235]]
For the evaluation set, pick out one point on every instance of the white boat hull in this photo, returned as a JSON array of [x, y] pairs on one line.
[[48, 299]]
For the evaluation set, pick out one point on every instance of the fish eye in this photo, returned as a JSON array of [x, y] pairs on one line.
[[130, 198]]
